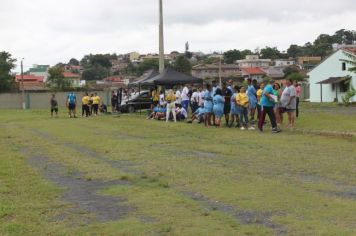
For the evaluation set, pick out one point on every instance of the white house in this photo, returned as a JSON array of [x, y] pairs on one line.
[[284, 62], [329, 80], [253, 61]]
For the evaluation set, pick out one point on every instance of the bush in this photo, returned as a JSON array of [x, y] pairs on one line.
[[349, 94]]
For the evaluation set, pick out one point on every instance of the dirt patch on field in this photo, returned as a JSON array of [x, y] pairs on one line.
[[81, 193], [243, 216]]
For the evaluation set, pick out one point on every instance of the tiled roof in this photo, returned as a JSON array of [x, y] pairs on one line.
[[70, 75], [351, 50], [29, 78], [253, 71]]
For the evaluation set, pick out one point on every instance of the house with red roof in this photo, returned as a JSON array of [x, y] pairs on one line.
[[253, 73], [30, 82], [74, 78]]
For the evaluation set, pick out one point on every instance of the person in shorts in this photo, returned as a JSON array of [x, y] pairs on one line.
[[289, 103], [54, 105], [71, 104]]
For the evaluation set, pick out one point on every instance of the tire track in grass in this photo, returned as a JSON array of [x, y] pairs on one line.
[[246, 217], [242, 216], [80, 193]]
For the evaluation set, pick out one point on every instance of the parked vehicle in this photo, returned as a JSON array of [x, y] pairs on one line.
[[136, 101]]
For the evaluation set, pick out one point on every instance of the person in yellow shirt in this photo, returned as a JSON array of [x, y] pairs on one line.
[[96, 102], [155, 97], [85, 105], [171, 105], [242, 105], [259, 96]]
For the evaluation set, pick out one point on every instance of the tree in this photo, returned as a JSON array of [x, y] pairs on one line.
[[294, 51], [246, 52], [183, 65], [270, 53], [290, 70], [56, 79], [95, 73], [73, 62], [148, 64], [232, 56], [6, 65], [295, 76]]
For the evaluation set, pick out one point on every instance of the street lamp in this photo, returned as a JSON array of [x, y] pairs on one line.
[[23, 87]]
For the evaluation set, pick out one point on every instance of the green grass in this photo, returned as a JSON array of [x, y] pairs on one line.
[[302, 184]]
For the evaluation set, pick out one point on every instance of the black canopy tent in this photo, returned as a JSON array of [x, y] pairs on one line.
[[145, 77], [170, 77]]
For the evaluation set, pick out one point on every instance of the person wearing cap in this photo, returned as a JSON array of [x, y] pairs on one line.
[[268, 101]]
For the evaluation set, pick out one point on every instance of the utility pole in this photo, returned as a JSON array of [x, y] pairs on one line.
[[220, 80], [161, 38], [23, 88]]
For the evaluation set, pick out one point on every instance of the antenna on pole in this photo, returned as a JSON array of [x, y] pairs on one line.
[[161, 38]]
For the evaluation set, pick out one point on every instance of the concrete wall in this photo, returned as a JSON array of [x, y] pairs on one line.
[[41, 100]]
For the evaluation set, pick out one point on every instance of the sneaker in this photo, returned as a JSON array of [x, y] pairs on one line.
[[276, 130], [242, 128]]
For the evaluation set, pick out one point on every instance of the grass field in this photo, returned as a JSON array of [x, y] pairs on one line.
[[132, 176]]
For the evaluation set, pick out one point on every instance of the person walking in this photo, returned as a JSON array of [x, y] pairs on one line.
[[185, 97], [268, 101], [289, 102]]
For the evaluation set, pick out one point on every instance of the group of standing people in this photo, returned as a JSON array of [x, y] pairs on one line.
[[91, 105], [246, 105]]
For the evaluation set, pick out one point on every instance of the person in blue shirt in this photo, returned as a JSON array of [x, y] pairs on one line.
[[71, 103], [208, 105], [268, 101], [234, 112], [218, 108], [252, 97]]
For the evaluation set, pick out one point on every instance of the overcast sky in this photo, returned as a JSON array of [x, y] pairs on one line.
[[51, 31]]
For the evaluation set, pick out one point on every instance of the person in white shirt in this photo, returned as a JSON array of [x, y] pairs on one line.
[[178, 97], [162, 100], [201, 97], [185, 97], [181, 113], [195, 100]]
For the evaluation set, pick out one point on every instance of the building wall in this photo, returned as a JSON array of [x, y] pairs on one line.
[[331, 67], [41, 100]]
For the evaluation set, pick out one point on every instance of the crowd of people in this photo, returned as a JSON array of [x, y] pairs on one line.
[[242, 106]]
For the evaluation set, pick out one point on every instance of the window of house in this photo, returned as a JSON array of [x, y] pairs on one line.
[[344, 66], [344, 86]]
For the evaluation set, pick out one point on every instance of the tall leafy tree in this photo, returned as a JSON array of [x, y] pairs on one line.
[[232, 56], [6, 65], [56, 79], [294, 51], [270, 53]]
